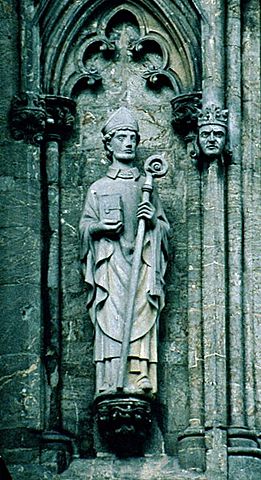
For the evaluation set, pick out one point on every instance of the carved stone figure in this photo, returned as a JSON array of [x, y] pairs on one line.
[[108, 227], [212, 123]]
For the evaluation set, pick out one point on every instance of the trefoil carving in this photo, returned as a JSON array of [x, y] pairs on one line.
[[122, 40]]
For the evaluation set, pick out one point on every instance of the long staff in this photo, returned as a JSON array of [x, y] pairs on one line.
[[154, 166]]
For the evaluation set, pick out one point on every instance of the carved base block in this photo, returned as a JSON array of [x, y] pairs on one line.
[[56, 451], [243, 442], [124, 423], [192, 450], [242, 437]]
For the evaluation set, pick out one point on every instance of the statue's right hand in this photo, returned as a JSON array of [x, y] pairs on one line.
[[106, 228]]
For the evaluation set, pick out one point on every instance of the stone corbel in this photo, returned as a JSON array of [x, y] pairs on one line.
[[198, 126], [127, 421], [212, 133], [33, 118], [28, 117], [60, 116], [185, 111]]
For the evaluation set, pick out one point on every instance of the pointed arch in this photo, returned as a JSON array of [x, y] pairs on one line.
[[65, 25]]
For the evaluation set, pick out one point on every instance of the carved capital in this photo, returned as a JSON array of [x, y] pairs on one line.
[[57, 450], [28, 117], [33, 117], [192, 449], [125, 422], [185, 111], [60, 116]]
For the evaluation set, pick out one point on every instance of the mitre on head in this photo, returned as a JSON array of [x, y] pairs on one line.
[[121, 119]]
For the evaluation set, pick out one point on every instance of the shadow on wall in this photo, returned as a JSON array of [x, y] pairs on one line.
[[4, 474]]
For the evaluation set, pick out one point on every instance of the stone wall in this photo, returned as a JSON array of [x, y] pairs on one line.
[[21, 384], [76, 62]]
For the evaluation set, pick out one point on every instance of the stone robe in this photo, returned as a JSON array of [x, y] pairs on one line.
[[107, 265]]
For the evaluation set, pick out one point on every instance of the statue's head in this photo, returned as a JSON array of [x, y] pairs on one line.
[[212, 123], [121, 135]]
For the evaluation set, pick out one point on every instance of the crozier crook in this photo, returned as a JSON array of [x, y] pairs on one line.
[[155, 166]]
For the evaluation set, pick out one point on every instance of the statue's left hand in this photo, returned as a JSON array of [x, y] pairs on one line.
[[147, 211]]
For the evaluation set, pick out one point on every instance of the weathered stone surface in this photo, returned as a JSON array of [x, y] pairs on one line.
[[21, 304], [243, 467], [26, 472], [27, 280], [154, 468], [20, 388]]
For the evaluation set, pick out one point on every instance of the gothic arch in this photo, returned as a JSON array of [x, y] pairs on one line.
[[68, 28]]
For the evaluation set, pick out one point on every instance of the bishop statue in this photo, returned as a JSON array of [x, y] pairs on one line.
[[108, 227]]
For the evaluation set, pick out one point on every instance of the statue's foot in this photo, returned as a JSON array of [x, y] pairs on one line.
[[144, 383], [104, 388]]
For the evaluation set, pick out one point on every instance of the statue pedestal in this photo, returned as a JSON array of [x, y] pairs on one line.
[[123, 422]]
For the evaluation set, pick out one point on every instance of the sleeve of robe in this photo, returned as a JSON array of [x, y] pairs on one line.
[[93, 253]]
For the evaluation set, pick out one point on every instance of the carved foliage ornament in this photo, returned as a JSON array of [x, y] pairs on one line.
[[185, 111], [126, 420], [33, 118], [28, 117], [60, 115]]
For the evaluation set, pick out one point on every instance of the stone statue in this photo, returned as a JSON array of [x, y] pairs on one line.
[[108, 226], [212, 123]]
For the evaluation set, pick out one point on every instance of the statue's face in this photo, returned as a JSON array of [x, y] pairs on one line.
[[212, 139], [123, 145]]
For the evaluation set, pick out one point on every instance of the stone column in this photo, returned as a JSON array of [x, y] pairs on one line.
[[214, 319], [239, 435], [47, 121], [251, 173], [213, 245], [21, 389], [191, 441], [234, 218], [30, 45], [244, 216], [60, 116]]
